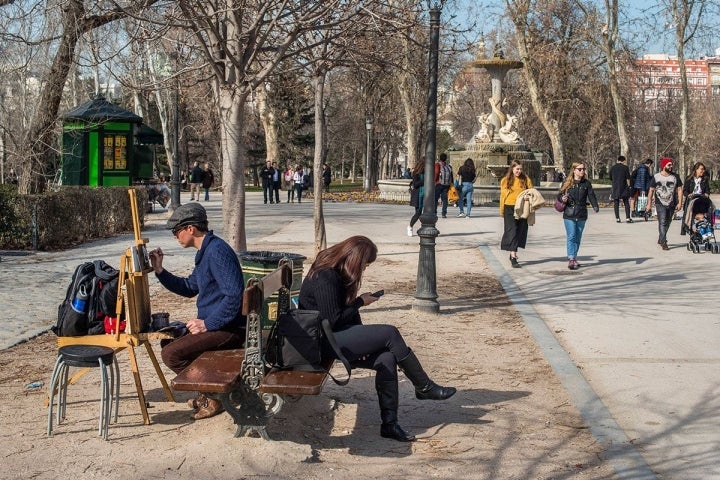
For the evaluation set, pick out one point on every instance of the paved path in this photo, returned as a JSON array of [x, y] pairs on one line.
[[637, 322]]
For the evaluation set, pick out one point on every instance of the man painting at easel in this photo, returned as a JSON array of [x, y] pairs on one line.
[[217, 281]]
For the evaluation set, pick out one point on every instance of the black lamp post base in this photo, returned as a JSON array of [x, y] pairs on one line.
[[426, 290], [429, 306]]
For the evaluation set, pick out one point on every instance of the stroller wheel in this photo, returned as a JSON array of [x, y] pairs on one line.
[[708, 247], [716, 248]]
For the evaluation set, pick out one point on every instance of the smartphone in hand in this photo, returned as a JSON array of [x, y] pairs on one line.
[[378, 294]]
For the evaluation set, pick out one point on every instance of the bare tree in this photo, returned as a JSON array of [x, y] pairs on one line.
[[243, 44], [76, 19]]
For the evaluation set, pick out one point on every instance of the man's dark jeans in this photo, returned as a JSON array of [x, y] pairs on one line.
[[664, 217], [276, 189], [267, 190], [441, 192]]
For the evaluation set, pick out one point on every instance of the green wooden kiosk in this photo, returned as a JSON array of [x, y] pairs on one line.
[[105, 145]]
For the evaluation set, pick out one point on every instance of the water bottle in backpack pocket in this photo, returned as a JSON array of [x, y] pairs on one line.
[[79, 303]]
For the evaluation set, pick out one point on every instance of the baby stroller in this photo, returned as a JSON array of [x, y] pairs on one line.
[[698, 222]]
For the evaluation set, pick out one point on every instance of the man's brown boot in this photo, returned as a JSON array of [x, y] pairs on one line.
[[209, 408]]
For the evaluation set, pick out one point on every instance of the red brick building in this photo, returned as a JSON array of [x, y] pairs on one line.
[[656, 77]]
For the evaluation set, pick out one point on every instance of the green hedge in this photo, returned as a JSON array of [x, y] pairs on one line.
[[67, 217]]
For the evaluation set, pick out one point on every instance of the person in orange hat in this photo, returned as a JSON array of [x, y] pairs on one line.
[[666, 194]]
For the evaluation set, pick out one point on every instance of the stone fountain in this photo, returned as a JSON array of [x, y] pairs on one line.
[[497, 142], [495, 145]]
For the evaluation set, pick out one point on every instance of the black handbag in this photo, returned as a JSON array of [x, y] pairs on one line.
[[295, 340]]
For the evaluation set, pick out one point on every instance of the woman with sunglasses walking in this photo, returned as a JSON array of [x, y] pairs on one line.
[[575, 192]]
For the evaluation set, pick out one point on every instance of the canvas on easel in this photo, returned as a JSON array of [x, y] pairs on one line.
[[134, 291]]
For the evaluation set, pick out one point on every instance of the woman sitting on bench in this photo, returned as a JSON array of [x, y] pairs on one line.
[[331, 287]]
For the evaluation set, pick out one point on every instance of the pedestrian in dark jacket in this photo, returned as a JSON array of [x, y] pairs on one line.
[[620, 176], [208, 180], [266, 177], [327, 177], [196, 181], [575, 193], [640, 181], [417, 193]]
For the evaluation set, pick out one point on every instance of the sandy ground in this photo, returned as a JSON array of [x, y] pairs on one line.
[[510, 419]]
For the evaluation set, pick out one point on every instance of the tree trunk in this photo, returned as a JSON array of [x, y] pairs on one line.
[[231, 106], [609, 46], [166, 115], [41, 138], [354, 166], [550, 124], [412, 106], [320, 233], [412, 123], [685, 99], [269, 122]]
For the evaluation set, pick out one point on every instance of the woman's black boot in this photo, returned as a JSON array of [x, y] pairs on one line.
[[388, 399], [425, 389]]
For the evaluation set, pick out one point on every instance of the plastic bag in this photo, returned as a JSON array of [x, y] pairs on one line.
[[453, 195]]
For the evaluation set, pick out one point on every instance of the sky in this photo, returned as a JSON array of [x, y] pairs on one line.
[[644, 26]]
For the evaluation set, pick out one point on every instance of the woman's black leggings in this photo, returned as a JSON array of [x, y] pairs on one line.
[[416, 215], [383, 345]]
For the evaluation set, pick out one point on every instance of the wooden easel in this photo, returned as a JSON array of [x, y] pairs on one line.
[[134, 300]]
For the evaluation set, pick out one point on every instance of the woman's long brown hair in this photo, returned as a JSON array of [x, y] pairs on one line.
[[522, 178], [349, 258]]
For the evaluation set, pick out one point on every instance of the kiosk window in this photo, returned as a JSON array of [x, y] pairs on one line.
[[115, 152]]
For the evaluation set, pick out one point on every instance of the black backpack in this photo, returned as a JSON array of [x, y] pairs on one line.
[[98, 281]]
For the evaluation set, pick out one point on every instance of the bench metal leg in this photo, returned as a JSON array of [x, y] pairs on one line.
[[251, 410]]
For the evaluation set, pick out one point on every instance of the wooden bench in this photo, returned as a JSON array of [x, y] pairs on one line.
[[249, 391]]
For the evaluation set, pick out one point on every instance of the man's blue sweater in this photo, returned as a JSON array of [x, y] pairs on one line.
[[217, 280]]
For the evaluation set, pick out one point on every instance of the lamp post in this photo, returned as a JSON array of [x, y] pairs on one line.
[[366, 173], [656, 128], [426, 288]]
